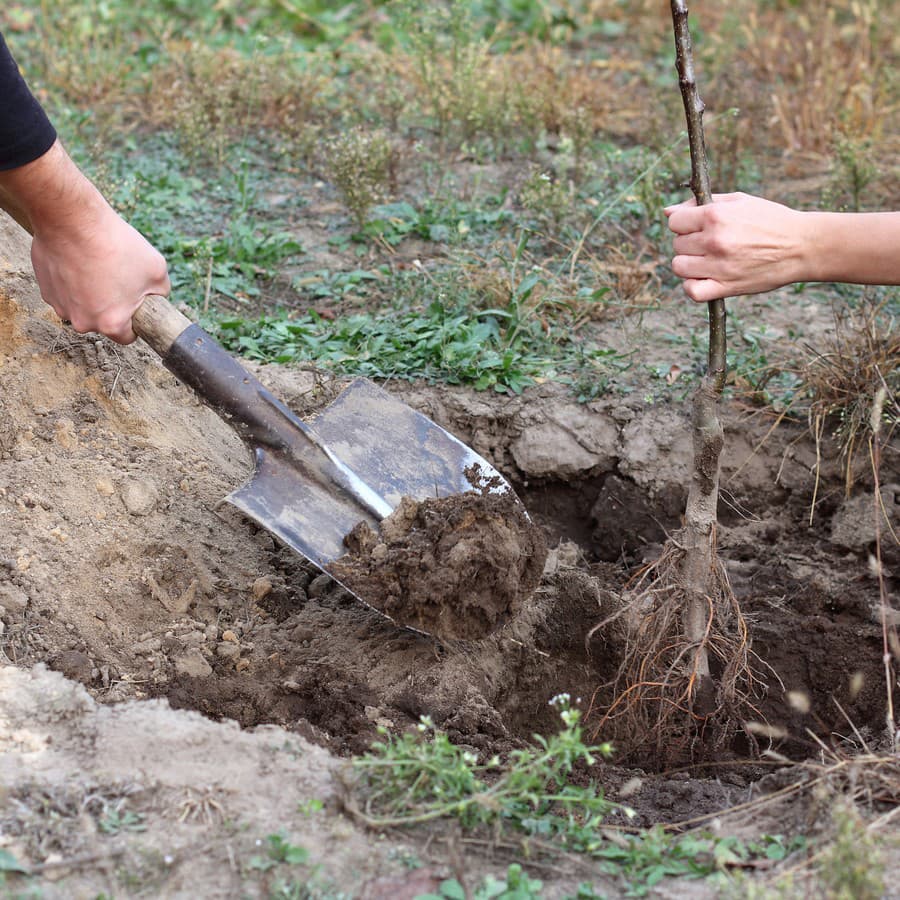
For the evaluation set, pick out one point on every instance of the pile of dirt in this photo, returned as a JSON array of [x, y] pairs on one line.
[[120, 568], [455, 567]]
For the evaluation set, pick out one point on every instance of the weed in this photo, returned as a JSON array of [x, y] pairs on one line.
[[9, 865], [407, 858], [753, 371], [843, 376], [488, 349], [855, 169], [360, 164], [851, 866], [279, 850], [116, 820], [645, 859], [217, 97], [449, 221], [515, 886], [311, 807], [421, 776], [334, 285], [585, 891], [456, 72], [303, 889], [547, 200], [86, 54], [280, 853]]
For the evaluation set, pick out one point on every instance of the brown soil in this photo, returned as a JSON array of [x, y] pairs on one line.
[[456, 567], [120, 569]]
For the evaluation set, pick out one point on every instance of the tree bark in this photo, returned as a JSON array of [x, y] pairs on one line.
[[699, 533]]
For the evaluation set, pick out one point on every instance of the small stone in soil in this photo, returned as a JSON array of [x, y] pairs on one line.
[[140, 496], [73, 664], [192, 665]]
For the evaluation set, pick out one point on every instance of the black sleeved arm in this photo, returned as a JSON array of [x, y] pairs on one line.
[[25, 130]]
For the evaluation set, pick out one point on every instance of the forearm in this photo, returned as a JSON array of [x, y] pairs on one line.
[[50, 194], [744, 245], [92, 267], [858, 248]]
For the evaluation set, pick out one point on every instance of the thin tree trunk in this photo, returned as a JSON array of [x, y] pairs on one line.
[[698, 537]]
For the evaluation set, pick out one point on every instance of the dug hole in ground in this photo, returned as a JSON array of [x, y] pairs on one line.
[[178, 687]]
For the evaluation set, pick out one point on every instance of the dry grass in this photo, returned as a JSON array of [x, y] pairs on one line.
[[843, 377], [213, 97], [827, 66], [633, 280]]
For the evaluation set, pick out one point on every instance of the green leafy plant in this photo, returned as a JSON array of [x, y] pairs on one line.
[[515, 886], [549, 200], [9, 865], [421, 776], [448, 343], [644, 859], [855, 169], [115, 820], [851, 867], [279, 850]]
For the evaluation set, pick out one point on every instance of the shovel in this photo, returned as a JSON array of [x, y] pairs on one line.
[[358, 460], [316, 481]]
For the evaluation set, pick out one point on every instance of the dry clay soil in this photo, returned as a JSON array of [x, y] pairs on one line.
[[176, 687]]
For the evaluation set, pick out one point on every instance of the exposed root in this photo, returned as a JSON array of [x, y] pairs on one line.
[[662, 703]]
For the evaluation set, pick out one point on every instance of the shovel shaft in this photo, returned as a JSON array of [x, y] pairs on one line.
[[258, 416]]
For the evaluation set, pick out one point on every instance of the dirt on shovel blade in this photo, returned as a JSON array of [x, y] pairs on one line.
[[456, 567]]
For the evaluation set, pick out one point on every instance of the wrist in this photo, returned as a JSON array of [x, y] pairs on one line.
[[812, 246]]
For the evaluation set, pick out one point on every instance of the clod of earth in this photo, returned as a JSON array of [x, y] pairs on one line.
[[455, 567]]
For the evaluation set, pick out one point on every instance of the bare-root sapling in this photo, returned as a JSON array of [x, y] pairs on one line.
[[686, 676]]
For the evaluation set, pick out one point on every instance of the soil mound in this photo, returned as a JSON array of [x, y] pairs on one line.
[[455, 567], [120, 568]]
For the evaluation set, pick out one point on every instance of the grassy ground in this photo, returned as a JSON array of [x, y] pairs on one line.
[[472, 192], [463, 192]]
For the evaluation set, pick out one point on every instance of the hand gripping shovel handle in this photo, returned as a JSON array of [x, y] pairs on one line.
[[260, 418]]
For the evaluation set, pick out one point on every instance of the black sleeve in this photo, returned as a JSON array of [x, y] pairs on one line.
[[25, 130]]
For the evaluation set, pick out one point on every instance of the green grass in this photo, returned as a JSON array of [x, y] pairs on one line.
[[421, 776], [516, 885], [441, 142], [454, 344]]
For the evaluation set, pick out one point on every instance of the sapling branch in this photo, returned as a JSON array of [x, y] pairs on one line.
[[680, 623], [703, 495], [700, 184]]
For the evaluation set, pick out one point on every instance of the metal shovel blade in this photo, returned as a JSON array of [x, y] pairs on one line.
[[390, 447], [316, 480]]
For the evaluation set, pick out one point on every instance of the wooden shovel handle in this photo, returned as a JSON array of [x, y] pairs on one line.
[[158, 323]]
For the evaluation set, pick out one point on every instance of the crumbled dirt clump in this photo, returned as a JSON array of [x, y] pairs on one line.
[[455, 567]]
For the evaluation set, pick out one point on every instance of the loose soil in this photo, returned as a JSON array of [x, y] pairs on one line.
[[455, 567], [133, 602]]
